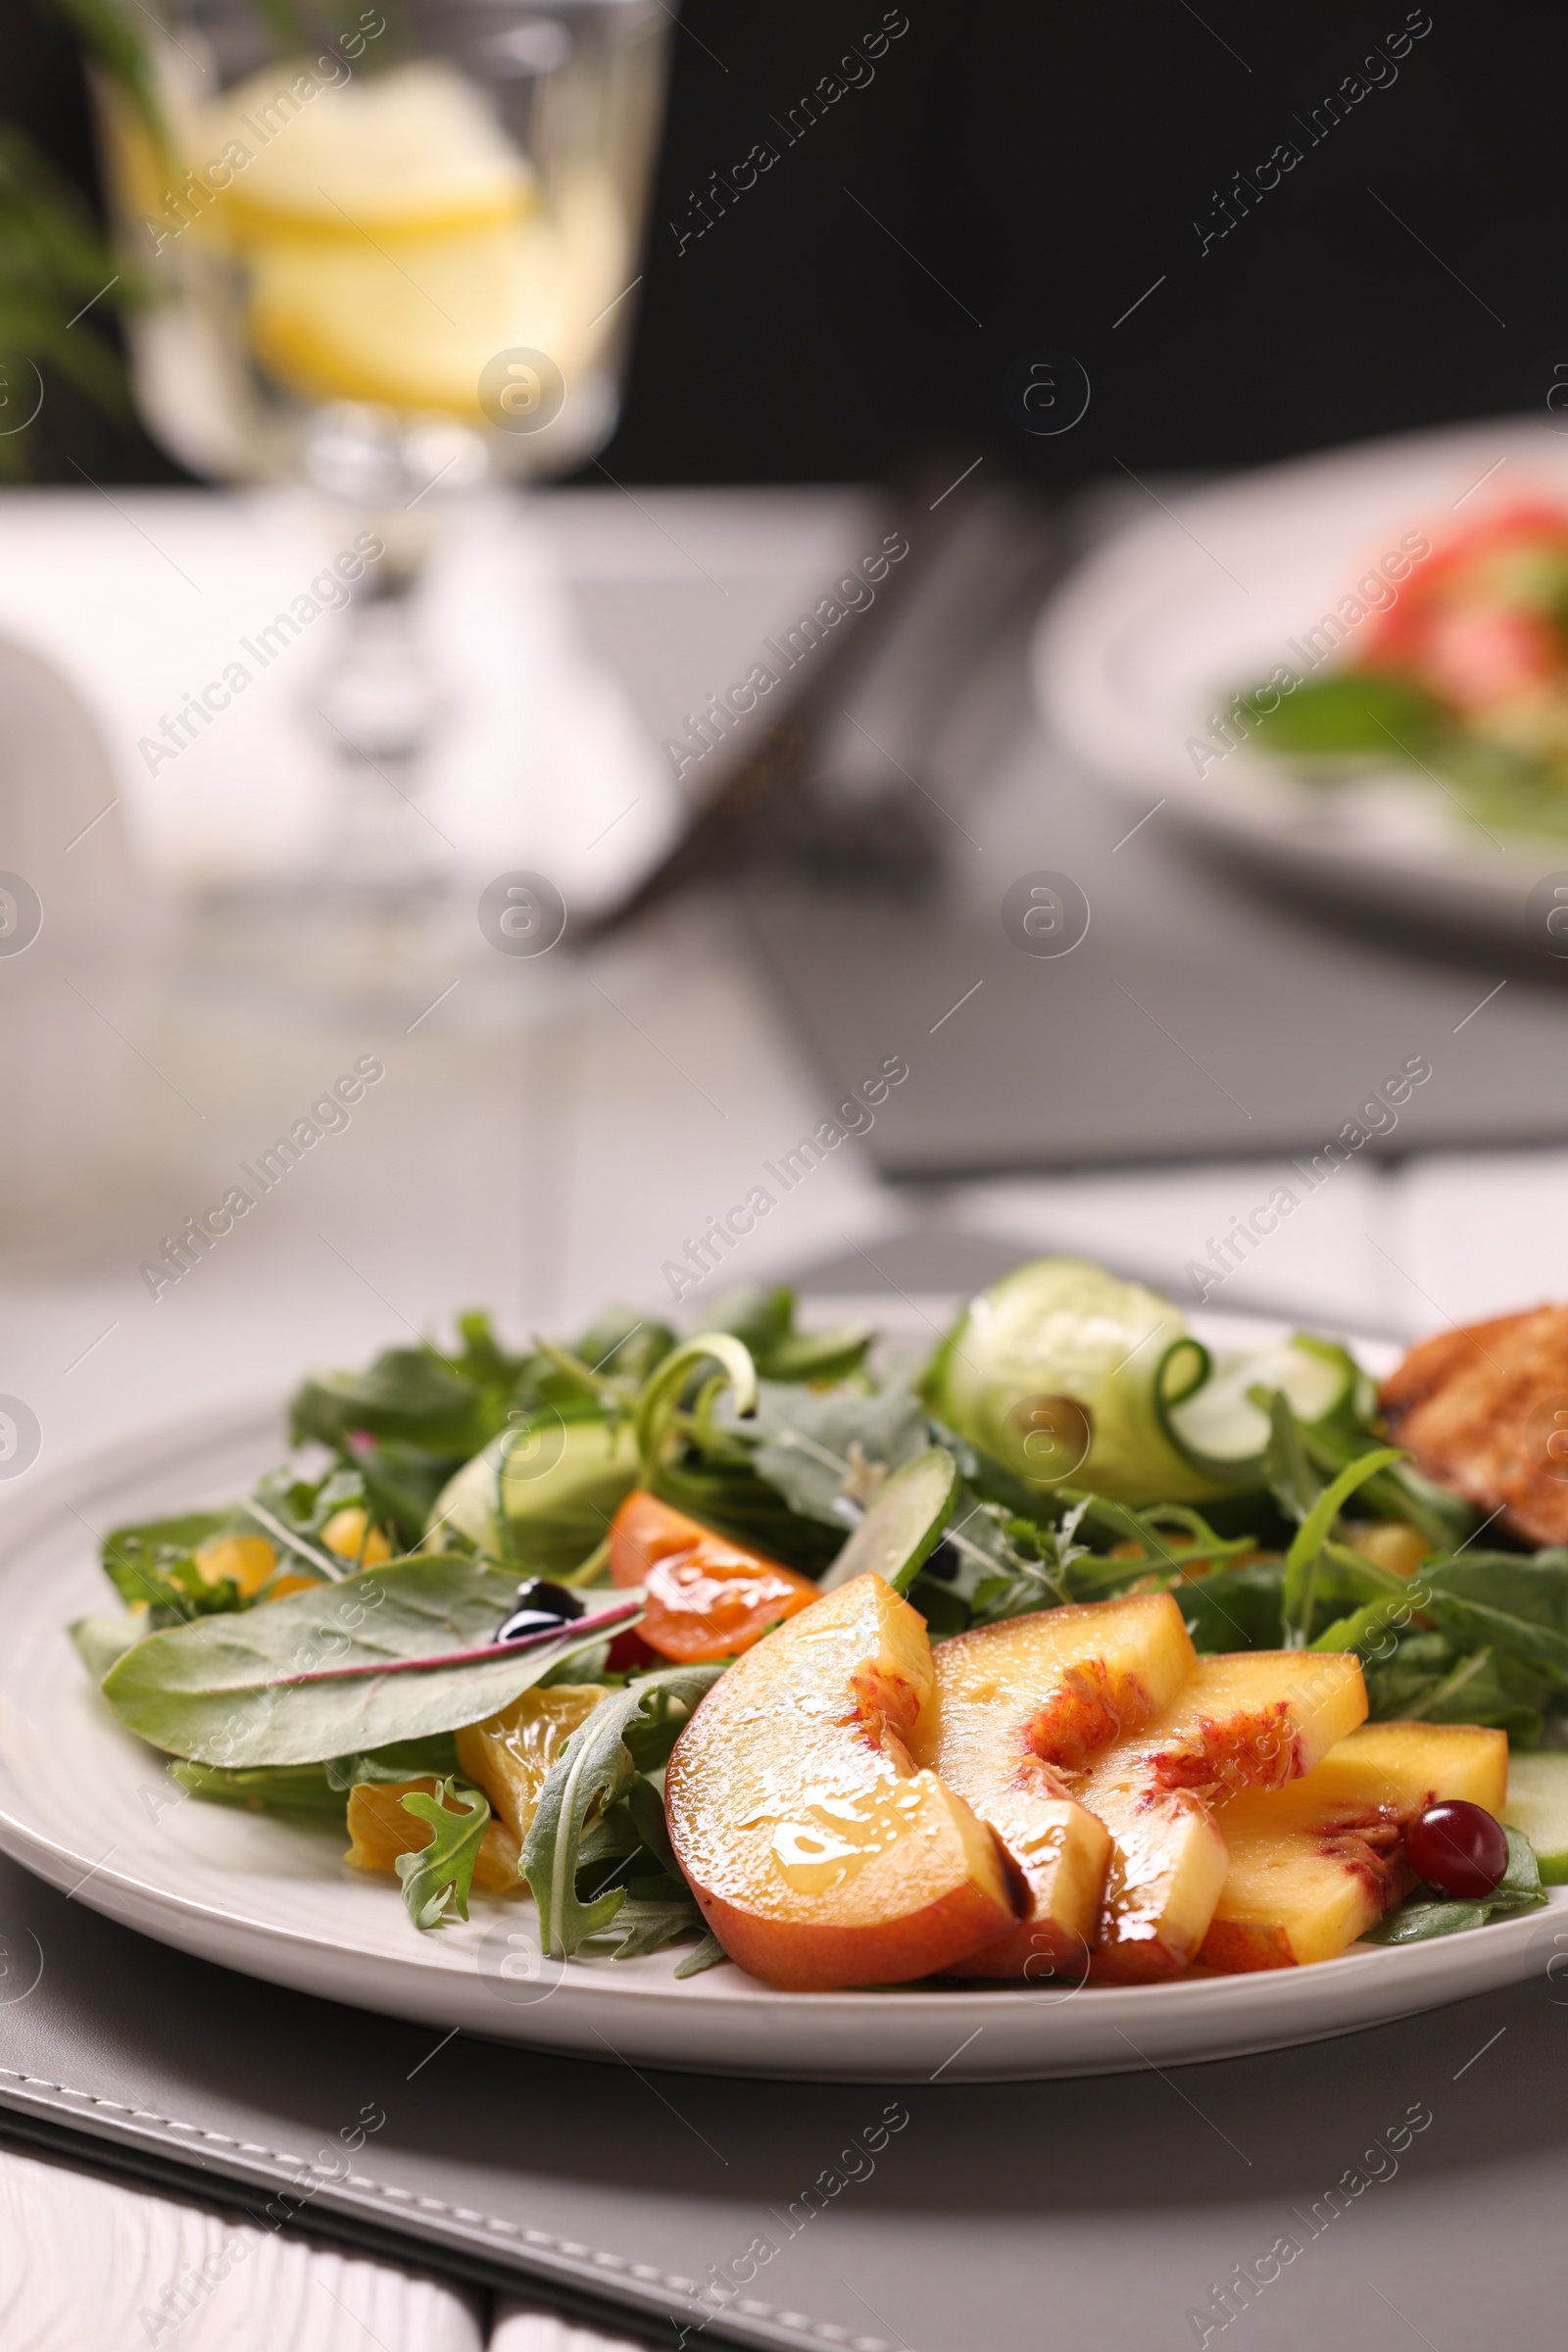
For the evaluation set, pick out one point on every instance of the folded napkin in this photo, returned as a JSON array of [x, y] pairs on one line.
[[201, 630]]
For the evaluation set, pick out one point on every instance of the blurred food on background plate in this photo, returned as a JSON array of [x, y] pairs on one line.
[[1459, 673]]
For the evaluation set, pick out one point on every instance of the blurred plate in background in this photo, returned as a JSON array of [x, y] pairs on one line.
[[1160, 629]]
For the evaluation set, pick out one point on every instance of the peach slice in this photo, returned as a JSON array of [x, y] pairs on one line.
[[1314, 1865], [1019, 1704], [1252, 1719], [820, 1854]]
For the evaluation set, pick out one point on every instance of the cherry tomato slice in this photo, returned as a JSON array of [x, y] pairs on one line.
[[706, 1598]]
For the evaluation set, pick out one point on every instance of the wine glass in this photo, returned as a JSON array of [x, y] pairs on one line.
[[389, 252]]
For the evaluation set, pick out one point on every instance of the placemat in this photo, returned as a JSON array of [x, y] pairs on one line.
[[1201, 1017], [1409, 2180], [1180, 1007]]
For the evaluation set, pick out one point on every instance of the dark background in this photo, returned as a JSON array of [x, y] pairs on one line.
[[1047, 164]]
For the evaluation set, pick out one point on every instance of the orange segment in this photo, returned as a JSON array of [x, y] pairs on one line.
[[508, 1755], [380, 1831]]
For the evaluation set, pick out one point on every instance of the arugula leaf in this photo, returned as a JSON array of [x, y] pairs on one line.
[[1399, 1492], [1476, 1623], [1291, 1480], [1428, 1681], [1236, 1608], [436, 1879], [649, 1917], [1034, 1565], [645, 1811], [707, 1954], [1301, 1560], [632, 1732], [1426, 1912], [808, 1437], [1530, 1588], [215, 1690]]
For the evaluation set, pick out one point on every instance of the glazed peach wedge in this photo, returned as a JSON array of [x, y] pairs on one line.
[[820, 1853], [1314, 1865], [1021, 1707]]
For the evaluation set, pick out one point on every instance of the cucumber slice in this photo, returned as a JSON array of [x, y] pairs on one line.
[[1538, 1804], [901, 1530], [1220, 1430]]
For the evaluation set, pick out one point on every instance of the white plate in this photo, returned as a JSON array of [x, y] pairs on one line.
[[91, 1810], [1198, 600]]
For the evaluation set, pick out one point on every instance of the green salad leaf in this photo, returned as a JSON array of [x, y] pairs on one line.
[[435, 1758], [1427, 1680], [624, 1737], [1292, 1478], [410, 1392], [1348, 716], [218, 1691], [707, 1954], [436, 1879], [821, 1449], [650, 1914], [1312, 1540], [101, 1641], [1239, 1608], [765, 1323], [1428, 1912], [299, 1792], [152, 1566]]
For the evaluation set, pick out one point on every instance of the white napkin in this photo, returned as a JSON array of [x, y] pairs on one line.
[[145, 599]]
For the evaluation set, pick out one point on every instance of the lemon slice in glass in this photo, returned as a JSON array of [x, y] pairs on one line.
[[412, 321], [414, 151]]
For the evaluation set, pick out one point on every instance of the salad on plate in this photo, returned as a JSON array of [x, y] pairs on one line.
[[1070, 1651]]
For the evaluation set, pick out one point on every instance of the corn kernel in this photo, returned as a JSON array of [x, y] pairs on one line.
[[248, 1560], [351, 1535]]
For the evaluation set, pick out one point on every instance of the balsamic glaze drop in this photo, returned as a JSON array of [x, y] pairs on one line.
[[541, 1608]]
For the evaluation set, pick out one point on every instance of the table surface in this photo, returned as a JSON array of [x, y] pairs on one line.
[[544, 1141]]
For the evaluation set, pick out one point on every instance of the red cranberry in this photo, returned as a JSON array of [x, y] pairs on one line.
[[1459, 1848]]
